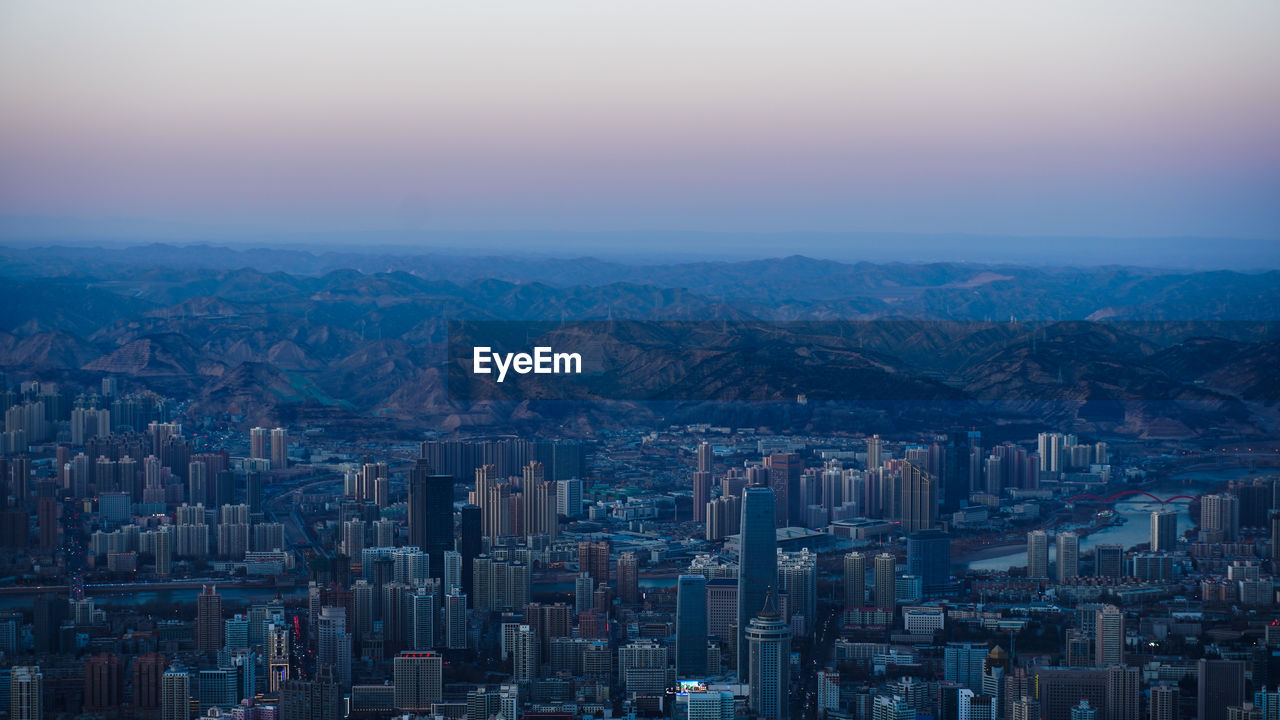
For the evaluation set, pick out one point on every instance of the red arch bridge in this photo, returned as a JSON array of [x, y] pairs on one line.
[[1128, 493]]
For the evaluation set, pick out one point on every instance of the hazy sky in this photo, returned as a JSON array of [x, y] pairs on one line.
[[1133, 118]]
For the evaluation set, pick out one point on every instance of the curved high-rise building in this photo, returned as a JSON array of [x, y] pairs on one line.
[[769, 646]]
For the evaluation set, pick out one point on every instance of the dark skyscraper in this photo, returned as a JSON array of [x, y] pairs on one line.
[[691, 626], [1221, 685], [209, 627], [757, 562], [929, 557], [253, 491], [784, 478], [955, 473], [470, 531], [431, 514]]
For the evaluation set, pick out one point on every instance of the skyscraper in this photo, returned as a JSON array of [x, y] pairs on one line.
[[1037, 554], [1108, 560], [1164, 530], [691, 626], [1219, 517], [886, 577], [209, 627], [175, 695], [919, 499], [929, 557], [279, 448], [593, 558], [26, 693], [769, 641], [757, 562], [628, 578], [855, 579], [418, 681], [431, 514], [784, 471], [1124, 689], [1164, 702], [317, 699], [260, 443], [1108, 631], [1220, 685], [1068, 556], [524, 654]]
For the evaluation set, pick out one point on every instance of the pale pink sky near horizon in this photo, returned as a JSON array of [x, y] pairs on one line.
[[1143, 118]]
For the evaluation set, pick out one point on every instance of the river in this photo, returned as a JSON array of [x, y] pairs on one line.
[[1136, 512]]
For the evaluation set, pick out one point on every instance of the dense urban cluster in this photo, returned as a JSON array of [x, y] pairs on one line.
[[162, 567]]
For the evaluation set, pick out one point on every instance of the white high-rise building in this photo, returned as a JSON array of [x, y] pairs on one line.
[[26, 694], [1037, 554], [1068, 556], [175, 695]]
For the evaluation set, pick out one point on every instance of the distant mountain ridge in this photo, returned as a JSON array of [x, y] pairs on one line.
[[1108, 350]]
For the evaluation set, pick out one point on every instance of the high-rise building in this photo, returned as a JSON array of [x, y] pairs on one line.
[[1068, 556], [316, 699], [798, 583], [26, 693], [279, 448], [175, 695], [691, 626], [769, 641], [524, 654], [1164, 530], [1220, 684], [1024, 708], [628, 578], [701, 495], [722, 612], [539, 497], [260, 443], [929, 557], [1108, 560], [892, 707], [1164, 702], [1124, 689], [963, 663], [757, 562], [209, 626], [886, 577], [828, 692], [784, 471], [431, 514], [919, 498], [333, 647], [1275, 540], [593, 558], [418, 680], [1108, 631], [470, 533], [855, 579], [1037, 554], [1219, 518], [455, 620]]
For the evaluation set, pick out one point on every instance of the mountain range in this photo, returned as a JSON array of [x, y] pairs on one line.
[[793, 342]]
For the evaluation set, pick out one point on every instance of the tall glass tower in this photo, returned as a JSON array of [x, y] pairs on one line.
[[757, 564], [691, 626]]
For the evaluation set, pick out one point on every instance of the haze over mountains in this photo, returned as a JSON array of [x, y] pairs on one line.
[[362, 338]]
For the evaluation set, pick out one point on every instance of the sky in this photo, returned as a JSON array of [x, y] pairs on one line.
[[1136, 119]]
